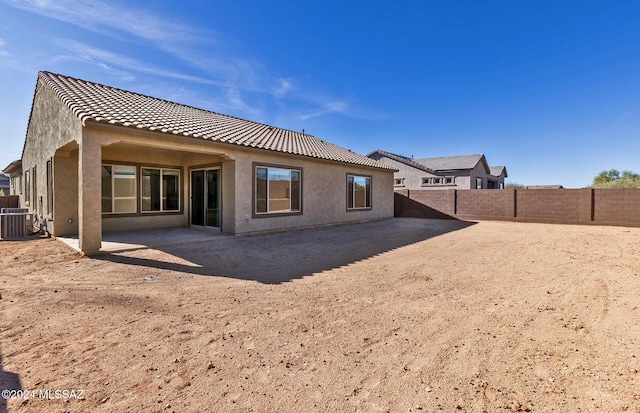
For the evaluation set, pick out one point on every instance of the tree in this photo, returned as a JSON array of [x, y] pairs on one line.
[[614, 179], [629, 175], [513, 185], [606, 176]]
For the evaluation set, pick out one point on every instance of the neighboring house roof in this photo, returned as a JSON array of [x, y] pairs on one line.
[[403, 159], [13, 166], [497, 170], [454, 163], [93, 102], [544, 187], [444, 163]]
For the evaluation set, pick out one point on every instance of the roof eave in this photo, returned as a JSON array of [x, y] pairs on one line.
[[483, 159], [109, 125], [13, 166]]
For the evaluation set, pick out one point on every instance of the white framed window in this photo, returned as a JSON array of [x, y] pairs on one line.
[[479, 182], [118, 189], [398, 182], [277, 190], [438, 180], [358, 192], [160, 189]]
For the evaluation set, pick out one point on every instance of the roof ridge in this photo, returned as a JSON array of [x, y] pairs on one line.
[[454, 156], [389, 153], [404, 159]]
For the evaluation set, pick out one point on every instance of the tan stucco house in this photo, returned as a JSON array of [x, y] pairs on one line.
[[98, 158], [14, 171], [447, 172]]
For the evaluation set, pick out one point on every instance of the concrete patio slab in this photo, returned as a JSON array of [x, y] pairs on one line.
[[148, 238]]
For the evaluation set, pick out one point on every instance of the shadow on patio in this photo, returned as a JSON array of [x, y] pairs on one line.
[[281, 257]]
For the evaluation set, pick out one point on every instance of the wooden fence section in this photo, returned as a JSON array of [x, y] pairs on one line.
[[561, 206], [9, 201]]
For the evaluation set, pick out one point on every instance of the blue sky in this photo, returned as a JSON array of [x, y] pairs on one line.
[[549, 89]]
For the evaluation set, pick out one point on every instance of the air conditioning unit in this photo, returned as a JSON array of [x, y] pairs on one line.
[[15, 225]]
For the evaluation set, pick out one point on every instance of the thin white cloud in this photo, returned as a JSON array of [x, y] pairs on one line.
[[108, 18], [236, 102], [11, 61], [110, 61], [340, 107], [283, 86]]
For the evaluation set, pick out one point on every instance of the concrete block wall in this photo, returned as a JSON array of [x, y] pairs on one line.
[[561, 206], [483, 204], [617, 206], [425, 203], [549, 205]]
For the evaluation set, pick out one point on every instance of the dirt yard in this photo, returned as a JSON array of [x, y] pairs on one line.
[[407, 315]]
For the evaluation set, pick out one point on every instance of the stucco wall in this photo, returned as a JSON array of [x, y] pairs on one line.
[[463, 180], [480, 172], [412, 177], [51, 126], [324, 193], [65, 185]]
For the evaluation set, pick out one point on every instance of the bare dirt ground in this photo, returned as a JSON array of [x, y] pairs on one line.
[[406, 315]]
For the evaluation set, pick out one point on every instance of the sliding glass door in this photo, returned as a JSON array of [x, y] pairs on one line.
[[205, 197]]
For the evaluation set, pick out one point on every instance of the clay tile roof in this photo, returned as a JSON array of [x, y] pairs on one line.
[[93, 102]]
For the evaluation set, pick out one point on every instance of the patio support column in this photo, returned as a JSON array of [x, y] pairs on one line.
[[89, 195], [228, 197]]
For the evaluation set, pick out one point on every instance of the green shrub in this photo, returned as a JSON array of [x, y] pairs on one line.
[[613, 179]]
